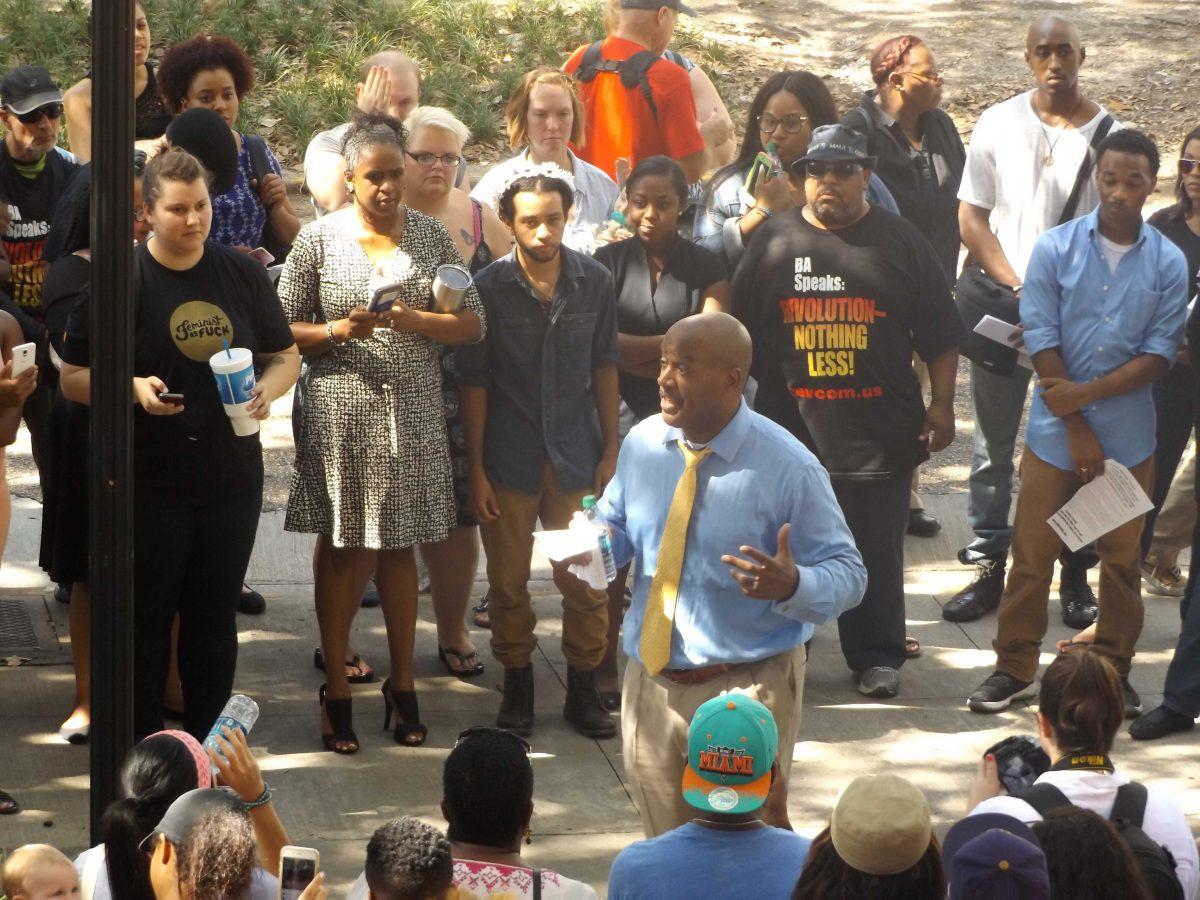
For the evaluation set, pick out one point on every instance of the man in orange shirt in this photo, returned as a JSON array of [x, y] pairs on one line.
[[637, 104]]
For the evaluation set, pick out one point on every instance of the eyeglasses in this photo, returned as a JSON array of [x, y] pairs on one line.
[[449, 160], [50, 111], [815, 169], [792, 124], [477, 730], [932, 79], [1187, 166]]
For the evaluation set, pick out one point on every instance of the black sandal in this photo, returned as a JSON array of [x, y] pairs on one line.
[[479, 612], [469, 664], [8, 804], [408, 731], [341, 720], [366, 675]]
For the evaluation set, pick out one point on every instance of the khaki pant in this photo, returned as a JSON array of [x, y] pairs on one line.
[[1023, 617], [508, 542], [656, 713], [1177, 518]]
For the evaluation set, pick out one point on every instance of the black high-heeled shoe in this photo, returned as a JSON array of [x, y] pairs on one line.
[[341, 720], [408, 731]]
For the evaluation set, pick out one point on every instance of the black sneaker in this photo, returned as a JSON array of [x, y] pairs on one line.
[[979, 597], [251, 602], [1079, 608], [998, 691], [1159, 723], [1133, 703]]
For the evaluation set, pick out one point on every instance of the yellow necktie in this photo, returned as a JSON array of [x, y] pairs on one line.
[[659, 622]]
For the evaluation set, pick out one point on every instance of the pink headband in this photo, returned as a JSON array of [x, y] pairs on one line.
[[203, 763]]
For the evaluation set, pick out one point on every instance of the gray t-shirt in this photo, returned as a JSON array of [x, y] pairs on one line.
[[93, 878]]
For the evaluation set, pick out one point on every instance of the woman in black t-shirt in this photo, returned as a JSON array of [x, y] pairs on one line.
[[659, 278], [197, 485]]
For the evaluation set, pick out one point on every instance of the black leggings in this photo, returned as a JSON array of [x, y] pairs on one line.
[[190, 561]]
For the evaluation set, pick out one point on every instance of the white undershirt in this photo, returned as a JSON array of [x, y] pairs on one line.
[[1113, 252]]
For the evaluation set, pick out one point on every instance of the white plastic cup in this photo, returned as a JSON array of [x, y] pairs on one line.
[[234, 372]]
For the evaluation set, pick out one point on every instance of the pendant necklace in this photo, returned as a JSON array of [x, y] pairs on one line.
[[1048, 159]]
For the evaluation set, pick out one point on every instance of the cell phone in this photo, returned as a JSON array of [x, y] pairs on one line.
[[168, 397], [385, 298], [23, 356], [762, 163], [297, 868], [263, 255]]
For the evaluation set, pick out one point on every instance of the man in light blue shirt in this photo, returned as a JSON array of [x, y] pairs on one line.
[[1103, 312], [742, 613]]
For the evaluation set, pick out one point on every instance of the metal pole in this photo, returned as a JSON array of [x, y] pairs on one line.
[[111, 543]]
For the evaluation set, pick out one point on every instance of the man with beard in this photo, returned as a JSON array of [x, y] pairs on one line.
[[739, 548], [539, 406], [837, 296], [33, 175]]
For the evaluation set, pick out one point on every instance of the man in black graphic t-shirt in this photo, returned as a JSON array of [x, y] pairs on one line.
[[837, 296]]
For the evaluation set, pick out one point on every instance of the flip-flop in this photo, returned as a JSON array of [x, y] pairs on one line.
[[366, 675], [912, 648], [466, 669], [8, 804]]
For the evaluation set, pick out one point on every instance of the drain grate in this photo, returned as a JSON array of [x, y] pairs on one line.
[[16, 627]]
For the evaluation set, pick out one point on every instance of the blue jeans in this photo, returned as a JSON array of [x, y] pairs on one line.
[[998, 402]]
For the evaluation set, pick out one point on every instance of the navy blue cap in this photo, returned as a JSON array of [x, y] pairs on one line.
[[837, 143], [995, 857]]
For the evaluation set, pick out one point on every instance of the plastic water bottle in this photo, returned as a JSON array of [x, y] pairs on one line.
[[776, 162], [240, 713], [604, 539]]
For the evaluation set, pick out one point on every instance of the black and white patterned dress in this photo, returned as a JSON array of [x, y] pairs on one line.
[[372, 465]]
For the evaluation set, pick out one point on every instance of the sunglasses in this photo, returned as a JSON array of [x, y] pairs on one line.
[[1188, 166], [792, 124], [50, 111], [449, 160], [477, 730], [814, 169], [932, 79]]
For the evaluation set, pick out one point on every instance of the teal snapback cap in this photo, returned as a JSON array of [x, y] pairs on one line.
[[732, 744]]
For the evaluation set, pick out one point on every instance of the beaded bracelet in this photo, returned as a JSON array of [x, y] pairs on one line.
[[263, 799]]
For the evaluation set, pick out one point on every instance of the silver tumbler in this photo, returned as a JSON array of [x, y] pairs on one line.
[[449, 287]]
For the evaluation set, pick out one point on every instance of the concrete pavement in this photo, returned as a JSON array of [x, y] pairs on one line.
[[583, 814]]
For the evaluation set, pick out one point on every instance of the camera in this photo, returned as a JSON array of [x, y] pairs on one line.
[[1019, 762]]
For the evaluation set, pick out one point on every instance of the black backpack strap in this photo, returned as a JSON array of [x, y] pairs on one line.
[[634, 72], [537, 884], [591, 63], [1130, 805], [1085, 169], [1044, 797], [260, 165]]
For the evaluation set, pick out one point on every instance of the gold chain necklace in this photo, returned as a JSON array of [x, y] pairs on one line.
[[1048, 159]]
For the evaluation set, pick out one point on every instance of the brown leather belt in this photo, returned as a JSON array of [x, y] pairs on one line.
[[695, 676]]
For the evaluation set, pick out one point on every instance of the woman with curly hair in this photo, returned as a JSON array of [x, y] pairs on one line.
[[214, 72]]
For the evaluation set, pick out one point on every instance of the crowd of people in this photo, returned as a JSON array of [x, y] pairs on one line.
[[735, 358]]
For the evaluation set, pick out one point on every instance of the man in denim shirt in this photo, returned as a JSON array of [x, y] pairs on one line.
[[539, 404], [1103, 312]]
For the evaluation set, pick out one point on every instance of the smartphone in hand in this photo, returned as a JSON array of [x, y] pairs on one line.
[[298, 866], [385, 298], [172, 399], [23, 357], [263, 255]]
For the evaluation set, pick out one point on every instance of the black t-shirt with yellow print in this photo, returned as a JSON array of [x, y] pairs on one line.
[[835, 317], [182, 319]]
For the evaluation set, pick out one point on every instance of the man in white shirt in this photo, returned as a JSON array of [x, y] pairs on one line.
[[389, 83], [1023, 161]]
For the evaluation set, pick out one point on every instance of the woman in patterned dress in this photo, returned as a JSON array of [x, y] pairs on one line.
[[435, 141], [372, 474]]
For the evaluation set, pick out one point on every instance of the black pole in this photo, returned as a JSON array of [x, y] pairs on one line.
[[111, 545]]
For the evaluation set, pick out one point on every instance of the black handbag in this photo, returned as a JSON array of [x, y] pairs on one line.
[[977, 294]]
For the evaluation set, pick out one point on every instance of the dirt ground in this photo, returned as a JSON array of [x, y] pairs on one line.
[[1142, 64]]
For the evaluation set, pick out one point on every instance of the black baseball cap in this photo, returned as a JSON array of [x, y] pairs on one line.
[[836, 143], [26, 88], [676, 5], [182, 815]]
